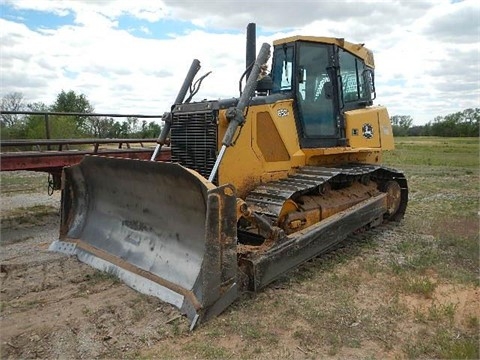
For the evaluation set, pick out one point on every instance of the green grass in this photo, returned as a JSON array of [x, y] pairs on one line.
[[443, 206], [101, 276], [436, 152], [442, 343], [22, 182], [207, 350], [27, 216], [419, 285], [441, 239]]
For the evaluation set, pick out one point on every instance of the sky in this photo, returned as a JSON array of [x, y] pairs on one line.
[[131, 56]]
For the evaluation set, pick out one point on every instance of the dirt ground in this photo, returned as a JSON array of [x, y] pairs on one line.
[[346, 305], [56, 307]]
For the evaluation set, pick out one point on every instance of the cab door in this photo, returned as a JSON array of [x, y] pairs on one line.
[[317, 105]]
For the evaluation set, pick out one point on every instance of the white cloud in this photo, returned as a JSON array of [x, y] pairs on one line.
[[426, 52]]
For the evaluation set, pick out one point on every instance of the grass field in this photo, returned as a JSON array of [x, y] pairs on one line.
[[405, 291]]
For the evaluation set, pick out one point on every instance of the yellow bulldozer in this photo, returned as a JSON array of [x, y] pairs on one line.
[[256, 185]]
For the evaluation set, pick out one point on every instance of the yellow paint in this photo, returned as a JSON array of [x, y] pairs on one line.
[[375, 118], [250, 161], [341, 155], [268, 147], [268, 140]]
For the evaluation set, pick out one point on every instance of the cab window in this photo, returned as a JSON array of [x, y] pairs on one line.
[[282, 69], [353, 72]]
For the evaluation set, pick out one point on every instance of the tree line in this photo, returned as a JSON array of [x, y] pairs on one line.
[[68, 127], [460, 124]]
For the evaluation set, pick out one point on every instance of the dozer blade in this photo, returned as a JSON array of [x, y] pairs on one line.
[[161, 228]]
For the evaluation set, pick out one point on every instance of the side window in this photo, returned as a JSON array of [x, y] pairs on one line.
[[286, 79], [354, 82], [282, 69]]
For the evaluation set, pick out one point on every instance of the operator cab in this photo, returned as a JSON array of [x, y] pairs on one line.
[[325, 77]]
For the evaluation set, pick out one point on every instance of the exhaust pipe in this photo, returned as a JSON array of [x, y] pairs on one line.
[[251, 50]]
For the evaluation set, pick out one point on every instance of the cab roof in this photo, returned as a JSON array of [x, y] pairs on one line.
[[356, 49]]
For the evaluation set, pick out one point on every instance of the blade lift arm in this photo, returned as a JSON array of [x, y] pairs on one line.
[[235, 115]]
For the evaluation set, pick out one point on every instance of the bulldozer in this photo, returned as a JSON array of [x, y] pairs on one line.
[[257, 184]]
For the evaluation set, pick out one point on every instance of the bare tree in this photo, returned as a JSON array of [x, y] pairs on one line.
[[13, 101]]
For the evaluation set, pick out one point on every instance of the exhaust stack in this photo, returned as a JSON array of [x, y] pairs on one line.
[[251, 47]]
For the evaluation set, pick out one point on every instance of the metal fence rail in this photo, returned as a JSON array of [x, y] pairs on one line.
[[51, 155]]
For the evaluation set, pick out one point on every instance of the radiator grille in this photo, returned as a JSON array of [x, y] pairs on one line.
[[194, 140]]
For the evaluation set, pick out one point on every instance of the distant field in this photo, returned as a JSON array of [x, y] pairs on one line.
[[435, 151], [405, 291]]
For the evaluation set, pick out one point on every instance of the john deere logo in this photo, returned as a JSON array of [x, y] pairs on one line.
[[282, 112], [367, 131]]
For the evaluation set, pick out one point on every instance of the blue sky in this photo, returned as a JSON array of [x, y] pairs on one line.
[[35, 20], [131, 56]]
